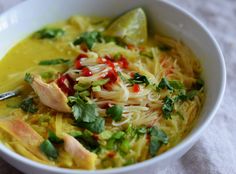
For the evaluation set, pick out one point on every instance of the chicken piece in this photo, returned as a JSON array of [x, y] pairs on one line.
[[81, 156], [24, 134], [50, 94]]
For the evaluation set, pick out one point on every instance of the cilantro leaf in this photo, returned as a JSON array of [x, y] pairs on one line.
[[139, 79], [164, 83], [167, 107], [157, 139], [176, 84], [49, 150], [199, 84], [49, 33], [97, 125], [28, 78], [188, 96], [28, 105], [53, 62], [53, 138], [89, 38], [115, 112]]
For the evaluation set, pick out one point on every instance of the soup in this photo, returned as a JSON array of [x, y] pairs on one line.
[[95, 93]]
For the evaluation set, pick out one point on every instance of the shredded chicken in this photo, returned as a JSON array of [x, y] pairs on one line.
[[23, 133], [82, 157], [50, 94]]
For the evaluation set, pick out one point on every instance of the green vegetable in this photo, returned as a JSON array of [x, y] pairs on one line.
[[89, 38], [167, 107], [96, 126], [139, 79], [49, 33], [176, 84], [82, 86], [49, 150], [188, 96], [53, 138], [115, 112], [84, 93], [122, 77], [164, 83], [96, 88], [28, 105], [100, 82], [54, 62], [118, 135], [47, 75], [164, 47], [76, 134], [141, 130], [84, 112], [125, 146], [105, 135], [157, 139], [28, 78]]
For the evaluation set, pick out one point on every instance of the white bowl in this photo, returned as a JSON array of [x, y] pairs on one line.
[[164, 17]]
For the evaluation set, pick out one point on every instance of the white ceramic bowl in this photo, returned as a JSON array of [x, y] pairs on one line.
[[164, 17]]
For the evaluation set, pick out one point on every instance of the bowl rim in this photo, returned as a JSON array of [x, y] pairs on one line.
[[195, 134]]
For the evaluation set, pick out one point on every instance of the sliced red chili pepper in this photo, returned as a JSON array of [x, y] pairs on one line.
[[86, 72], [112, 75], [100, 60], [130, 46], [77, 61], [123, 62], [136, 88], [66, 88]]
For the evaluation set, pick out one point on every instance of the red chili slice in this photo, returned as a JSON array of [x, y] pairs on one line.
[[136, 88], [66, 88], [123, 62], [86, 72], [77, 61]]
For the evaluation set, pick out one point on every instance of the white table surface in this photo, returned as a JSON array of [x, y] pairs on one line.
[[215, 152]]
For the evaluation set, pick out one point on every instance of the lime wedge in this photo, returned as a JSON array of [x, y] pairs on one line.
[[131, 27]]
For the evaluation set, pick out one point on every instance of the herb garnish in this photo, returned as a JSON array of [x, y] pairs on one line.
[[28, 78], [54, 138], [49, 150], [54, 62], [89, 38], [86, 115], [115, 112], [157, 139], [167, 107], [28, 105], [139, 79], [49, 33]]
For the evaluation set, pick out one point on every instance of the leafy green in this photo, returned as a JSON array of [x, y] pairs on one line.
[[49, 33], [176, 84], [84, 112], [139, 79], [54, 62], [118, 135], [97, 125], [188, 96], [141, 130], [49, 150], [167, 107], [53, 138], [28, 78], [164, 83], [115, 112], [28, 105], [89, 38], [125, 146], [122, 77], [157, 139]]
